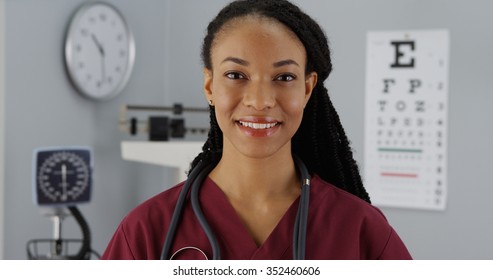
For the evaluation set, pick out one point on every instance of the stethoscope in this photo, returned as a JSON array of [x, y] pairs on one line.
[[193, 184]]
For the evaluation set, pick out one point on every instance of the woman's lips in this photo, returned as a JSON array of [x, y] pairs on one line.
[[255, 125], [258, 127]]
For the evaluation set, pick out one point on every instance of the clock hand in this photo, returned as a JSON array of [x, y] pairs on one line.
[[98, 44], [101, 51], [103, 70]]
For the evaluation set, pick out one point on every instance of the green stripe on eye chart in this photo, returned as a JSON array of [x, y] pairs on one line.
[[395, 150]]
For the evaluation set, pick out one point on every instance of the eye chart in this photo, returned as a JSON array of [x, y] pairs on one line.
[[406, 118]]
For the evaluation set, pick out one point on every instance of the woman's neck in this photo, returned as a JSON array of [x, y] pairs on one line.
[[244, 177]]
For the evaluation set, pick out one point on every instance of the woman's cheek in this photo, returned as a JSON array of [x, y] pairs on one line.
[[295, 103]]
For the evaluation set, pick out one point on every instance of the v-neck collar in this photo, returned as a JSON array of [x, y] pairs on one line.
[[236, 241]]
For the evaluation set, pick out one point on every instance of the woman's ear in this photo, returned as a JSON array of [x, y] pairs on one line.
[[310, 83], [208, 85]]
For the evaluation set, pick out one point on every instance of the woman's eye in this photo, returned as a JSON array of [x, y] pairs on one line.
[[234, 76], [285, 78]]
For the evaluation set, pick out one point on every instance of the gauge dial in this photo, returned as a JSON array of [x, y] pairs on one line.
[[63, 176]]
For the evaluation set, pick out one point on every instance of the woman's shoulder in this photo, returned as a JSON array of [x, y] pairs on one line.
[[158, 207], [335, 199], [353, 219], [140, 233]]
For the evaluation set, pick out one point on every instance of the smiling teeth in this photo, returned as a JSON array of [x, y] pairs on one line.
[[258, 125]]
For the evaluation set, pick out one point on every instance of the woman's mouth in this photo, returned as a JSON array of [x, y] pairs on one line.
[[258, 128], [258, 125]]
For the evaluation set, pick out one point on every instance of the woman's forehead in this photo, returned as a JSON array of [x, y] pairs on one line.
[[257, 36], [255, 20]]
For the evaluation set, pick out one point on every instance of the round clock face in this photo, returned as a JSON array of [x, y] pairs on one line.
[[63, 177], [99, 51]]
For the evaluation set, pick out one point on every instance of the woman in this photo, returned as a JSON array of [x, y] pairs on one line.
[[264, 67]]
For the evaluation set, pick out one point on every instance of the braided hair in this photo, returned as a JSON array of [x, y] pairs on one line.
[[320, 140]]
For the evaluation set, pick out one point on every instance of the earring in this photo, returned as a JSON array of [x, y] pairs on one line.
[[210, 102]]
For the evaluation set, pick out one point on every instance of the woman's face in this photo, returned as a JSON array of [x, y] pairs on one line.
[[258, 86]]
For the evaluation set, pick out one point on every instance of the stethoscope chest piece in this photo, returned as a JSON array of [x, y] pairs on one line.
[[189, 253]]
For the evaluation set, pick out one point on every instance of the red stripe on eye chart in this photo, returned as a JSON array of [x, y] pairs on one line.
[[402, 175]]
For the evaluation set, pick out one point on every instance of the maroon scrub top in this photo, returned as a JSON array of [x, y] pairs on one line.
[[340, 226]]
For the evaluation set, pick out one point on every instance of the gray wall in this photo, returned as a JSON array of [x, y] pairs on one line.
[[42, 109], [2, 118], [465, 229]]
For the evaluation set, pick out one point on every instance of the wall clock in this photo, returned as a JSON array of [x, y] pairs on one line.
[[99, 51], [62, 176]]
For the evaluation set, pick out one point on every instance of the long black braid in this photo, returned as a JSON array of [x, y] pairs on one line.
[[320, 140]]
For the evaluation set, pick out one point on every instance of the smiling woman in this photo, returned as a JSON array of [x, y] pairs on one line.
[[277, 177], [259, 89]]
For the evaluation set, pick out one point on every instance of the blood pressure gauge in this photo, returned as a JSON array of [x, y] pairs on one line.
[[62, 176]]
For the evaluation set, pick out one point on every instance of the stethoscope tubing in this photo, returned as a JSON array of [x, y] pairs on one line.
[[301, 220], [194, 196], [194, 182], [175, 218]]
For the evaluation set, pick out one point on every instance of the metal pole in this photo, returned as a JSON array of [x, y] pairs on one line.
[[57, 235]]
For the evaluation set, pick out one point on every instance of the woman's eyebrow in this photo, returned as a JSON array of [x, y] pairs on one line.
[[284, 62], [236, 60], [243, 62]]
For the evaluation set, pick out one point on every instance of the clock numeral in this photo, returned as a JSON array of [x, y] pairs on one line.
[[84, 32]]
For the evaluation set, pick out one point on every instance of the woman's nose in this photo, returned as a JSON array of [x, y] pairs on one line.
[[259, 95]]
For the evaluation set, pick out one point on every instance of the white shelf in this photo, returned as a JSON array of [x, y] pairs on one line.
[[177, 155]]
